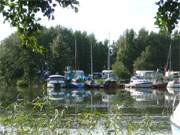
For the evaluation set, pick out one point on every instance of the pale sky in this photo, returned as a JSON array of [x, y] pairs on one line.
[[102, 17]]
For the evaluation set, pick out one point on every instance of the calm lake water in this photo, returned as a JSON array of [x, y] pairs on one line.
[[124, 108]]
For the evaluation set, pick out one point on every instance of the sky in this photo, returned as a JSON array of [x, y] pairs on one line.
[[106, 19]]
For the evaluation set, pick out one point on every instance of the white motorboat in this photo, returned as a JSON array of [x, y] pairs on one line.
[[139, 82], [175, 120], [156, 77], [56, 82], [55, 85]]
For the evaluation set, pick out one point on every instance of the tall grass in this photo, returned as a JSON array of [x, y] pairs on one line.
[[41, 116]]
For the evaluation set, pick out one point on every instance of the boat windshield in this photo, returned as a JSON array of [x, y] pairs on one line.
[[56, 78], [78, 74]]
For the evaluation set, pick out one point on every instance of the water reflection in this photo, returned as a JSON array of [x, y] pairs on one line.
[[172, 95], [174, 91], [147, 96], [131, 104]]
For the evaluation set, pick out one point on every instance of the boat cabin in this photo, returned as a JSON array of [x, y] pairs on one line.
[[172, 74], [108, 74], [56, 78], [150, 75]]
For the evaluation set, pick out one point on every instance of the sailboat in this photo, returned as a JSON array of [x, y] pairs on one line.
[[90, 82], [76, 77], [173, 76], [110, 79]]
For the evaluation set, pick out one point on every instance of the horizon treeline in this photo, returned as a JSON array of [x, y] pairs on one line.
[[132, 51]]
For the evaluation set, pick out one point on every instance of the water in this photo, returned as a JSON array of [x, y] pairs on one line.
[[121, 111]]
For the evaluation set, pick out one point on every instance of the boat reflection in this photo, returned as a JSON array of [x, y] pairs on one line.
[[66, 96], [144, 94], [174, 91], [172, 94]]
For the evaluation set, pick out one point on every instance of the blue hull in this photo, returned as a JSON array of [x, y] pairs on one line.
[[77, 85]]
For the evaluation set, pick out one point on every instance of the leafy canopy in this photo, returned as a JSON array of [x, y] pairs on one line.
[[168, 15], [22, 14]]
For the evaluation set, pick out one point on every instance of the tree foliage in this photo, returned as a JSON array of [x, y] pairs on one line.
[[168, 15], [120, 70], [22, 63], [23, 14], [146, 51]]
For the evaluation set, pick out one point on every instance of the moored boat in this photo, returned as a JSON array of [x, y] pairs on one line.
[[56, 82], [78, 80], [154, 76], [138, 82], [55, 86], [110, 80]]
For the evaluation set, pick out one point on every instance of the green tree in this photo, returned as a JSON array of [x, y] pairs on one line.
[[23, 14], [120, 70], [168, 15], [61, 55], [17, 62], [9, 54], [144, 62], [126, 53]]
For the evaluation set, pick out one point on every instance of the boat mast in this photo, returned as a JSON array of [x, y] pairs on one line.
[[75, 48], [108, 58], [169, 64], [91, 61]]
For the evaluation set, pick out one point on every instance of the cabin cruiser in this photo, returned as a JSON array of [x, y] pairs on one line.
[[154, 76], [78, 79], [109, 79], [55, 85], [55, 81], [75, 79], [138, 82]]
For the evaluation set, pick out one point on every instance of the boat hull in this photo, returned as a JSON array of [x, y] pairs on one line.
[[160, 86], [175, 129], [110, 84], [139, 85], [77, 85], [52, 95]]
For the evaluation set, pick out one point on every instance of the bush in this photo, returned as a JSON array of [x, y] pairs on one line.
[[22, 83], [120, 70]]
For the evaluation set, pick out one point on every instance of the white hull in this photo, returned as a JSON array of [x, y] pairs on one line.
[[175, 121], [174, 127], [139, 85], [55, 95], [139, 82]]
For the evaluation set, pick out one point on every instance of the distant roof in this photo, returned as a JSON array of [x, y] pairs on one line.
[[78, 70], [56, 76], [107, 71], [144, 71]]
